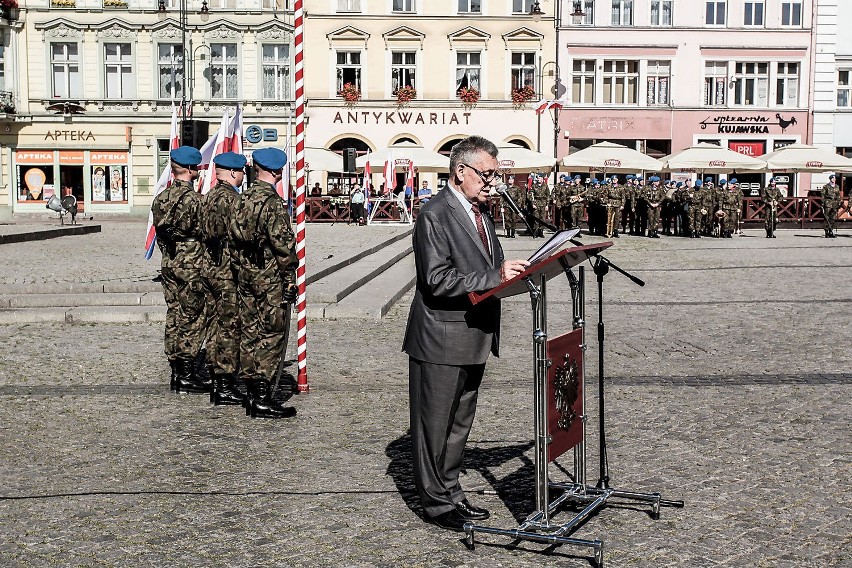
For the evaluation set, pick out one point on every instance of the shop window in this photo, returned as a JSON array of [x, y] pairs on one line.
[[118, 71], [661, 12], [403, 70], [523, 69], [65, 70], [348, 69], [224, 71], [470, 6], [791, 13], [348, 5], [620, 82], [403, 6], [751, 84], [36, 181], [583, 81], [109, 183], [170, 69], [787, 85], [276, 72], [753, 13], [715, 12], [844, 100], [659, 73], [715, 83], [522, 6], [468, 70], [622, 12]]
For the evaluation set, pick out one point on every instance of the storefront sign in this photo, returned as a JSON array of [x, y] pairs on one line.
[[107, 158], [71, 158], [255, 134], [753, 149], [400, 117], [33, 157], [70, 136], [750, 124]]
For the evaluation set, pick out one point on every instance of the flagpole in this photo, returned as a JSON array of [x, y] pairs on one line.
[[301, 303]]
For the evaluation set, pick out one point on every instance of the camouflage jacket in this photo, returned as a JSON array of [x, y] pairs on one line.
[[655, 195], [216, 211], [262, 241], [515, 193], [771, 194], [830, 194], [615, 196], [578, 192], [734, 200], [176, 212]]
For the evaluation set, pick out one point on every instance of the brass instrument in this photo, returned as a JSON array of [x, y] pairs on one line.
[[573, 199], [720, 214]]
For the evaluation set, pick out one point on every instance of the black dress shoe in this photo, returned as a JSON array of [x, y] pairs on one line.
[[451, 520], [472, 513]]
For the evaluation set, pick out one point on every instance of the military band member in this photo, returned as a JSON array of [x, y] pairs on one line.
[[175, 213], [733, 207], [537, 204], [681, 207], [771, 197], [654, 196], [707, 193], [557, 199], [695, 202], [667, 208], [830, 204], [615, 205], [509, 217], [575, 198], [641, 206]]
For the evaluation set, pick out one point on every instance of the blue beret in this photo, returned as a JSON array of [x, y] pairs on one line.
[[723, 182], [577, 178], [629, 176], [613, 176], [654, 178], [596, 181], [733, 180], [708, 180], [269, 158], [605, 181], [772, 180], [230, 160], [185, 156], [830, 176], [679, 184], [698, 183], [563, 176]]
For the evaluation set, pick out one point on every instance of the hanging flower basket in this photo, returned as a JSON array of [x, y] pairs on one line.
[[349, 93], [405, 94], [523, 95], [469, 96]]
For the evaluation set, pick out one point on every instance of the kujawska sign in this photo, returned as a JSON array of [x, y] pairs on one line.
[[751, 124]]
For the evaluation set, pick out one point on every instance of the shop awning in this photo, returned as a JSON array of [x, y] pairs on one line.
[[809, 159], [711, 159], [610, 157], [424, 160], [320, 159], [514, 158]]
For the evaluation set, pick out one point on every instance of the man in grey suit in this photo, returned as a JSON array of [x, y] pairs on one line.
[[448, 339]]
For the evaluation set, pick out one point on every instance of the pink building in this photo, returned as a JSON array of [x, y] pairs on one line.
[[661, 75]]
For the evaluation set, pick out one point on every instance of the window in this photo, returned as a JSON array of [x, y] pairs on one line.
[[348, 69], [468, 70], [715, 12], [583, 81], [403, 6], [118, 71], [791, 13], [65, 70], [348, 5], [752, 84], [522, 6], [715, 83], [658, 82], [276, 4], [470, 6], [224, 71], [170, 63], [753, 13], [223, 4], [787, 84], [622, 12], [523, 69], [620, 81], [661, 12], [403, 69], [589, 11], [844, 89], [276, 72], [2, 67]]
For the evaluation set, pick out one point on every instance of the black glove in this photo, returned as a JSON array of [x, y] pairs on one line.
[[290, 294]]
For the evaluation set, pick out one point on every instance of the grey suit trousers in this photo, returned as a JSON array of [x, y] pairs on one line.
[[442, 404]]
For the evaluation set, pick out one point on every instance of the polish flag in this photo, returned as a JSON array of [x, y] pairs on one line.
[[162, 183], [217, 144], [390, 174], [235, 132], [410, 183], [541, 106], [561, 102]]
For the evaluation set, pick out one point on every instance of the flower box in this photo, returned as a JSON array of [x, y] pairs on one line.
[[523, 95], [469, 95], [349, 93], [405, 94]]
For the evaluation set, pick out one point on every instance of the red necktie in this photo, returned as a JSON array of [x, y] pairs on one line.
[[480, 228]]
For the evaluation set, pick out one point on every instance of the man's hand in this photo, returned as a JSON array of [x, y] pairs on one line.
[[511, 268], [290, 295]]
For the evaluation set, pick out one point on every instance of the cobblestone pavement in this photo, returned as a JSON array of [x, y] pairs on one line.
[[728, 386]]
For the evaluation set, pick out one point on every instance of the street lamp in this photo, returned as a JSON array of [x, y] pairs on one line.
[[536, 12], [578, 14]]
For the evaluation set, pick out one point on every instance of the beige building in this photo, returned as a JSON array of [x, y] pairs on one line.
[[91, 85], [437, 47]]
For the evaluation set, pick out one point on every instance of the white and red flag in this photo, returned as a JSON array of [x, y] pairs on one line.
[[390, 174], [235, 132], [218, 144], [162, 183]]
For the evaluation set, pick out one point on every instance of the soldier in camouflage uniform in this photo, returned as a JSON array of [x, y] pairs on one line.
[[538, 197], [732, 206], [771, 197], [175, 212], [509, 217], [654, 196], [220, 279], [705, 194], [574, 196], [720, 195], [615, 205], [830, 204], [265, 255]]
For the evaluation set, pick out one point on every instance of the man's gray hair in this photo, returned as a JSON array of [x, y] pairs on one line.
[[465, 151]]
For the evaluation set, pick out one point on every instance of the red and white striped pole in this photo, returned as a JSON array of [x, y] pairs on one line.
[[301, 304]]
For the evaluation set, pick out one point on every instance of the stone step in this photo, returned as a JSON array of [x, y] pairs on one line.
[[373, 299], [84, 314], [339, 284], [123, 287], [319, 270], [74, 300]]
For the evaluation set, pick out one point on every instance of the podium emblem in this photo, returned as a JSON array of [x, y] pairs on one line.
[[567, 387]]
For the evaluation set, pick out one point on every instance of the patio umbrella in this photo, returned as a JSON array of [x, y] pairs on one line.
[[609, 157], [712, 159], [809, 159], [517, 158], [320, 159], [424, 160]]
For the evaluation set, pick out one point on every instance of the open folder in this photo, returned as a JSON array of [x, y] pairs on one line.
[[553, 244]]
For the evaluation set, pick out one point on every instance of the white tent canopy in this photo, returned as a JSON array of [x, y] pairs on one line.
[[610, 157], [712, 159], [320, 159], [809, 159], [517, 159], [402, 153]]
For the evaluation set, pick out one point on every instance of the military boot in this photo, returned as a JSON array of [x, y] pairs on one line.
[[187, 381], [225, 390], [202, 372], [173, 379], [263, 405]]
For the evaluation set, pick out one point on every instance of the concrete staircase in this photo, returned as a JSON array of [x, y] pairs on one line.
[[362, 285]]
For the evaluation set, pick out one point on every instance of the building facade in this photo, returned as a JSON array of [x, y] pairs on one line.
[[92, 84], [662, 75]]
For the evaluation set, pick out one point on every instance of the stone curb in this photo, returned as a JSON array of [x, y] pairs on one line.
[[45, 234]]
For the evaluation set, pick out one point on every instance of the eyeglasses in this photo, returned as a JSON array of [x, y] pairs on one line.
[[486, 178]]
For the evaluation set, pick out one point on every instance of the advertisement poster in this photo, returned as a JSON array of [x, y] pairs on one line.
[[108, 176], [117, 183], [98, 183], [32, 181]]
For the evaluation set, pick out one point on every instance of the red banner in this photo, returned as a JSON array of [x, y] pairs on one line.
[[565, 393]]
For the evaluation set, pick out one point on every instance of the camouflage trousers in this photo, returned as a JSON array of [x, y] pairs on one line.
[[830, 215], [222, 325], [653, 218], [261, 325], [183, 290], [576, 215], [509, 219], [770, 222], [695, 219]]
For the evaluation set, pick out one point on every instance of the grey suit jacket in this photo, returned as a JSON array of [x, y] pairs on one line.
[[443, 326]]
